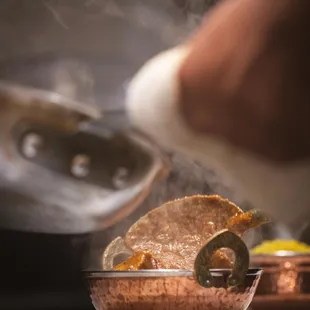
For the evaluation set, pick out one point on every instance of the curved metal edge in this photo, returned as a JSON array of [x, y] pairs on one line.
[[161, 273], [222, 239], [289, 254], [26, 95], [79, 219], [159, 170], [115, 247]]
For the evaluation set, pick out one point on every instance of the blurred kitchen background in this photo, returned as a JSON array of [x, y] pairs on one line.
[[88, 51]]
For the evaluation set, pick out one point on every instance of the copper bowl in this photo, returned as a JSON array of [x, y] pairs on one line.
[[169, 289], [285, 282]]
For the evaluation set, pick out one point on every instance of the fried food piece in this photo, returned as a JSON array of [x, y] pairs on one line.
[[240, 223], [139, 261], [175, 232], [220, 259]]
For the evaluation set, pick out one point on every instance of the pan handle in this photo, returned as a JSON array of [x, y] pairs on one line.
[[222, 239]]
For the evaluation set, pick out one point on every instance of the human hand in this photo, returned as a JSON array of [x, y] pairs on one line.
[[234, 98], [246, 77]]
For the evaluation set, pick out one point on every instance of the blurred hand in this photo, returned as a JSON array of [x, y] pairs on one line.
[[235, 99], [247, 77]]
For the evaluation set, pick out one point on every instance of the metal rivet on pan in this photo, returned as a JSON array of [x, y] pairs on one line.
[[120, 177], [80, 166], [31, 145]]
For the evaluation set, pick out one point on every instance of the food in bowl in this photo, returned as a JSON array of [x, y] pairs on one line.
[[170, 236], [278, 245], [174, 253]]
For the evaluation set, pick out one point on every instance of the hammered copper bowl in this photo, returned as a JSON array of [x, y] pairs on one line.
[[285, 283], [169, 289]]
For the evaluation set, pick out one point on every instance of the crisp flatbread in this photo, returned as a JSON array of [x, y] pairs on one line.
[[176, 231]]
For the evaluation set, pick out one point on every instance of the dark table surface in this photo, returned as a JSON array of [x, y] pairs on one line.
[[43, 272]]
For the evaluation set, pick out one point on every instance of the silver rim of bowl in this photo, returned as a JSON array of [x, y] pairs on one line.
[[162, 273]]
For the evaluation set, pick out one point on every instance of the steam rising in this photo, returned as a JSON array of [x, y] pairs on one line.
[[171, 20], [88, 49]]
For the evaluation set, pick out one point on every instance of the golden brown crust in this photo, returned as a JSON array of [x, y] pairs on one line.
[[170, 237], [176, 231], [240, 223], [220, 259], [139, 261]]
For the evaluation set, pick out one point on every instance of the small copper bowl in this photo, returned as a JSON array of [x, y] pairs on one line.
[[169, 289], [285, 282]]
